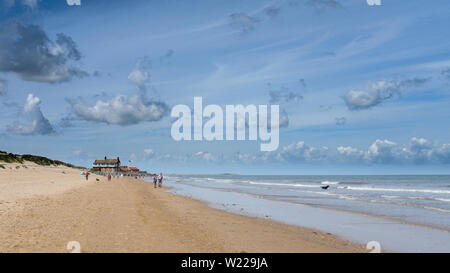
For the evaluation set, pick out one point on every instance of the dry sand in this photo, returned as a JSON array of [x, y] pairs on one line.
[[42, 209]]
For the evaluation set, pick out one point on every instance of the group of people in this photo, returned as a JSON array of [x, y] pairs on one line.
[[157, 180], [113, 175]]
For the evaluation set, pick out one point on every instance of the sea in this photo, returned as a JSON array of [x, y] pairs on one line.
[[404, 213]]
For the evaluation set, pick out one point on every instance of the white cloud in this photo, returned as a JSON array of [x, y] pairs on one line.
[[121, 110], [379, 92], [138, 76], [418, 151], [350, 153], [301, 152], [382, 151], [206, 156], [32, 120]]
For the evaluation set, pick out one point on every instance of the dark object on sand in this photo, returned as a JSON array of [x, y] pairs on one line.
[[96, 179], [325, 187]]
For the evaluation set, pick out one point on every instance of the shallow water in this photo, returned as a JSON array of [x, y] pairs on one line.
[[387, 200]]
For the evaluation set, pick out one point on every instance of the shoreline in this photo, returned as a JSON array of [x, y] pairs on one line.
[[129, 215], [393, 235]]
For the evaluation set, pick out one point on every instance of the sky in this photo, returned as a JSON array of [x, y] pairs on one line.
[[362, 89]]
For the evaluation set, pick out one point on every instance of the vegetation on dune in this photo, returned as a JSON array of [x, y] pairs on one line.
[[39, 160], [10, 158]]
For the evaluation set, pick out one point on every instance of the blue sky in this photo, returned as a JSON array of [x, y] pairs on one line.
[[371, 83]]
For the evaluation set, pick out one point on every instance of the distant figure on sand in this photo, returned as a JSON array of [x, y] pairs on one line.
[[109, 177], [87, 175], [155, 179], [160, 180]]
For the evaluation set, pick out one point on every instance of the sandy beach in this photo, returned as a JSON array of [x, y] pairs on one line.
[[43, 208]]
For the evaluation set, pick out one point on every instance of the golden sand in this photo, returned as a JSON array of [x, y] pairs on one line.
[[43, 208]]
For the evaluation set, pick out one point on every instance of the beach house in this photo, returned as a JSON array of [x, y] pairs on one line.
[[107, 165]]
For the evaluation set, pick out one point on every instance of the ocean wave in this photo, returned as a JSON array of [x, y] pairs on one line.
[[438, 209], [283, 184], [353, 183], [415, 198], [330, 182], [394, 190], [327, 193], [220, 180]]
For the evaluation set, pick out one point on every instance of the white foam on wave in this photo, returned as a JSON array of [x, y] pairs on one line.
[[329, 182], [438, 209], [442, 199], [394, 189], [415, 198], [220, 180], [337, 195], [284, 184]]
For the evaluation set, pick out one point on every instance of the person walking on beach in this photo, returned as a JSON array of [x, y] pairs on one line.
[[87, 175], [155, 180], [160, 180], [109, 177]]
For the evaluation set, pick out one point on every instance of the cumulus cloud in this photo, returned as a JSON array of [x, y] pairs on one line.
[[284, 119], [379, 92], [138, 76], [27, 51], [442, 153], [381, 151], [205, 156], [122, 110], [299, 152], [418, 151], [3, 87], [243, 22], [33, 121], [350, 154]]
